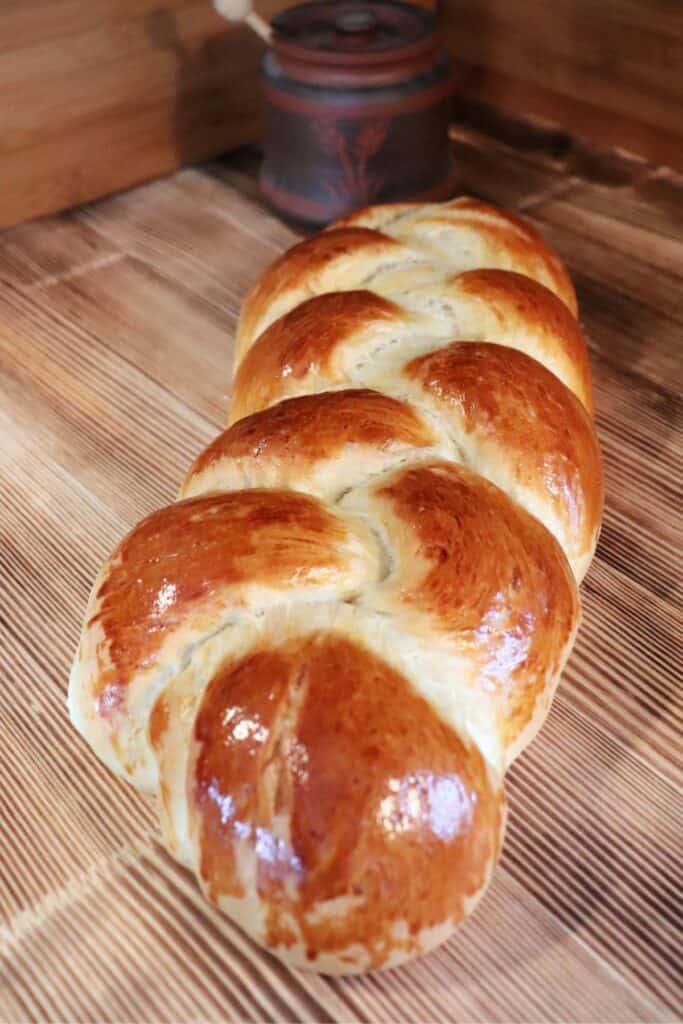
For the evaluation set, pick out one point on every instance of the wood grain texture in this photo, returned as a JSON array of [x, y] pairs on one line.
[[116, 332], [99, 95], [610, 72], [104, 95]]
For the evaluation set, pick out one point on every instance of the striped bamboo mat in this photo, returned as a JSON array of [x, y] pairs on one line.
[[115, 351]]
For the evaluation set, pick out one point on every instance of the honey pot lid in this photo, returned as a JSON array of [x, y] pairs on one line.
[[344, 32]]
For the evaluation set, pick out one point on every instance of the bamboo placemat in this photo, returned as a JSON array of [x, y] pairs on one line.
[[116, 325]]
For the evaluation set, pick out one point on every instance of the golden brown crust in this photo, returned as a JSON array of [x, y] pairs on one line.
[[300, 274], [375, 217], [198, 556], [308, 349], [290, 440], [534, 428], [508, 241], [513, 297], [529, 247], [350, 253], [486, 578], [322, 776], [304, 341], [325, 658]]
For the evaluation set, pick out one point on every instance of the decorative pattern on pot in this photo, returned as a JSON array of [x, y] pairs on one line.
[[357, 109]]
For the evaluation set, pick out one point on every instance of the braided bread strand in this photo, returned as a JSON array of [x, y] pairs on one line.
[[323, 659]]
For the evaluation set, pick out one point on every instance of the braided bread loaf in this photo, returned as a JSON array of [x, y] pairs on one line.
[[324, 658]]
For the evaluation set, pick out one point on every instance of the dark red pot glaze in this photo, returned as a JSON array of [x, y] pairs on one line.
[[357, 109]]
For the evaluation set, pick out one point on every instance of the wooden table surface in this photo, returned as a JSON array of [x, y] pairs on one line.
[[116, 325]]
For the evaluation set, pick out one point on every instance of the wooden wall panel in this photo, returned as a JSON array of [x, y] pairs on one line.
[[98, 95], [609, 71]]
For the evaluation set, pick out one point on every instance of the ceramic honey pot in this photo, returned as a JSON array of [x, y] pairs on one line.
[[357, 99]]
